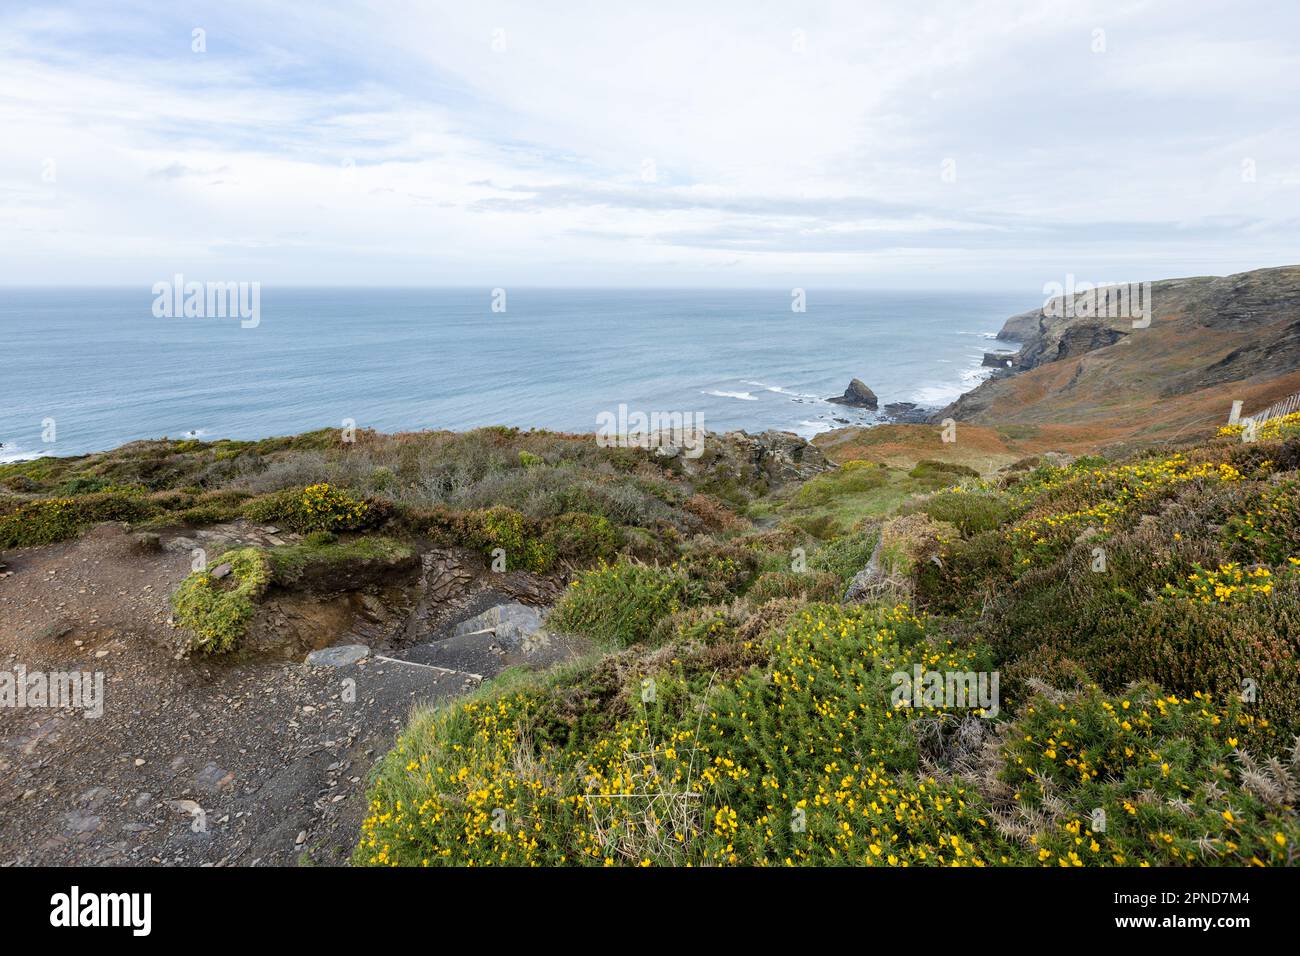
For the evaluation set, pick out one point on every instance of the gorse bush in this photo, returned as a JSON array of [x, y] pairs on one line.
[[1143, 778], [318, 507], [581, 538], [800, 756], [704, 770], [505, 531], [47, 520]]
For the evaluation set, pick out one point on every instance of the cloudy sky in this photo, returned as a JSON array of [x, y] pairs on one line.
[[895, 145]]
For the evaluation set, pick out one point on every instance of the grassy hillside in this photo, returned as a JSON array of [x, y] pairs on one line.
[[1143, 616]]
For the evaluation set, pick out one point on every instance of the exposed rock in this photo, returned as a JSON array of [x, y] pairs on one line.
[[869, 582], [213, 779], [512, 624], [502, 636], [181, 545], [907, 413], [1020, 327], [1209, 341], [341, 655], [857, 395], [999, 359], [904, 543], [772, 457]]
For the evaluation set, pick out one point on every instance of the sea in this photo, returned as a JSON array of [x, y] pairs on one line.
[[85, 369]]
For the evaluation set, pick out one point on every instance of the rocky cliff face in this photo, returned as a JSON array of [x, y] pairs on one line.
[[1210, 341]]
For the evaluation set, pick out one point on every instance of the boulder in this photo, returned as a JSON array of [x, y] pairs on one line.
[[857, 395], [511, 624], [339, 656]]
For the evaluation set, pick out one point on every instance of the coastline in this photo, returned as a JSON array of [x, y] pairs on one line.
[[770, 404]]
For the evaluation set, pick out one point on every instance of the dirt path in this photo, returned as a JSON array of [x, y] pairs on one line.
[[201, 763]]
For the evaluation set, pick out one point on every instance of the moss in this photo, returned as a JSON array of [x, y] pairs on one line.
[[288, 563], [217, 613]]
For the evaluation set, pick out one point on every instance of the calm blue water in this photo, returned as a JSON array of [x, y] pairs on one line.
[[107, 371]]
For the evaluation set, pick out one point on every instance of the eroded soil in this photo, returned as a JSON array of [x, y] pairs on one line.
[[258, 760]]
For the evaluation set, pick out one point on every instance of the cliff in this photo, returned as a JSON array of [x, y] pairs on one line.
[[1210, 341]]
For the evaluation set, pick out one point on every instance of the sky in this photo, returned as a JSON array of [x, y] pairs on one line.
[[911, 145]]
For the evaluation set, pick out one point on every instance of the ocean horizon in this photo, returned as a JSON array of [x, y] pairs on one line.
[[95, 368]]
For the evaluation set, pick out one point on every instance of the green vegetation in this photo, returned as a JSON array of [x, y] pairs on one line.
[[1143, 616], [846, 555], [720, 754], [323, 549], [619, 604], [24, 523], [217, 612], [835, 503]]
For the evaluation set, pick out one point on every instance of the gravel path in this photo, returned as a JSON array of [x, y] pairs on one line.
[[200, 763]]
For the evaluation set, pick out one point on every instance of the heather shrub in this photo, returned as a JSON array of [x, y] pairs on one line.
[[619, 604], [715, 570], [810, 586], [711, 624], [1268, 527], [971, 512], [846, 555]]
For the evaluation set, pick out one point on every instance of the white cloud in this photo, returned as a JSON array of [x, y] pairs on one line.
[[393, 144]]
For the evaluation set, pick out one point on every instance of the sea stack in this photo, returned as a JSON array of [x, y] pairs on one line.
[[857, 395]]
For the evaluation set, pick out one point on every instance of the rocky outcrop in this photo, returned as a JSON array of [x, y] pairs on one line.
[[1020, 328], [906, 413], [1209, 341], [857, 395], [772, 457], [999, 359]]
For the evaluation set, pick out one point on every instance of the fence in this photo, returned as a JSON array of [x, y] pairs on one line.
[[1286, 406]]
